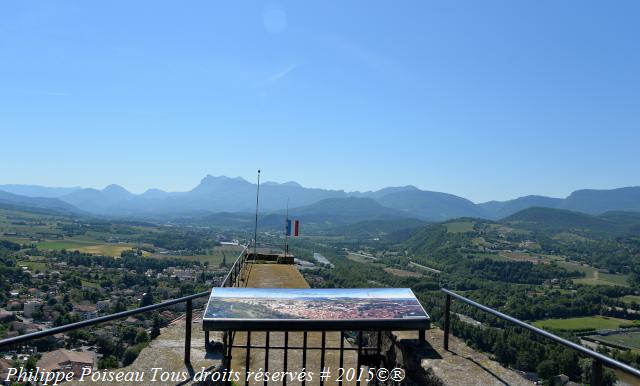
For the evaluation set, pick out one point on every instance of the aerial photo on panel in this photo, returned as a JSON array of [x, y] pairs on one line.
[[322, 304]]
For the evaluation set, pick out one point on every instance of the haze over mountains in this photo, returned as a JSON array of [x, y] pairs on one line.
[[236, 195]]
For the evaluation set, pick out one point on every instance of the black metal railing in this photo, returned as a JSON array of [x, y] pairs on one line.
[[232, 279], [598, 360]]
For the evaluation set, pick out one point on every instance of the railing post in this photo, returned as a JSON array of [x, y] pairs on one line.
[[187, 333], [447, 311], [596, 373]]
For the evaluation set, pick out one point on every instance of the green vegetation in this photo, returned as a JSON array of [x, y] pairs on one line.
[[583, 323], [566, 272], [631, 299], [629, 339], [459, 226]]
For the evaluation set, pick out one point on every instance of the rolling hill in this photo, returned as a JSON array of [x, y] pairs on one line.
[[36, 204], [551, 220], [430, 206]]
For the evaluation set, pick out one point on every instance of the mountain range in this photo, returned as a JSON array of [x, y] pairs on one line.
[[236, 197]]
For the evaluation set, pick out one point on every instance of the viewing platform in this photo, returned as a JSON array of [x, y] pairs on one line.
[[425, 363]]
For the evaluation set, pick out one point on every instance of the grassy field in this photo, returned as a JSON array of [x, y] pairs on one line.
[[34, 265], [401, 272], [629, 339], [459, 227], [520, 256], [64, 244], [107, 249], [631, 298], [359, 258], [492, 256], [17, 240], [605, 279], [86, 283], [214, 258], [592, 276], [583, 323], [110, 249]]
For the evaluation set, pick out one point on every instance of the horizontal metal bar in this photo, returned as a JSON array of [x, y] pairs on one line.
[[408, 324], [98, 320], [609, 362], [289, 347]]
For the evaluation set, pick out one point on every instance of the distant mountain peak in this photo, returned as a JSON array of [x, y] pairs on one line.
[[115, 188], [213, 179], [292, 184]]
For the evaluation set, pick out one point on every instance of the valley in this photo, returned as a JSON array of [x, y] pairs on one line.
[[560, 270]]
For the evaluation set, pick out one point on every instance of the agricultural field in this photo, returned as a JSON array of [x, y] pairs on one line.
[[604, 279], [593, 276], [401, 272], [104, 249], [520, 256], [214, 257], [585, 323], [631, 299], [459, 227], [358, 258], [34, 265], [630, 339]]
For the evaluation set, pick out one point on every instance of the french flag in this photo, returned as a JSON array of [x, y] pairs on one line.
[[296, 227]]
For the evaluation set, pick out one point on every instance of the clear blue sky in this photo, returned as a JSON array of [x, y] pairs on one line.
[[484, 99]]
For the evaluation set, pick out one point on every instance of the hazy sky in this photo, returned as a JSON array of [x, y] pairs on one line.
[[484, 99]]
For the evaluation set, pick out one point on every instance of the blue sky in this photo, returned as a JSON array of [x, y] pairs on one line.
[[487, 100]]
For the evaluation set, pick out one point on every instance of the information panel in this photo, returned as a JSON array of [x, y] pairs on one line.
[[281, 309]]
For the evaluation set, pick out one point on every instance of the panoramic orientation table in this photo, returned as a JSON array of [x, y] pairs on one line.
[[315, 309]]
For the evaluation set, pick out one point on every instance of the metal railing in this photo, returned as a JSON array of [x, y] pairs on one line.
[[598, 360], [232, 279]]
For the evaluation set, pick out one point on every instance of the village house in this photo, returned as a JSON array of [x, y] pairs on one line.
[[6, 316], [31, 307], [86, 311], [65, 361]]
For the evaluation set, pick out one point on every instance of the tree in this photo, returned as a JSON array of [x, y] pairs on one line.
[[130, 355], [31, 363], [547, 369], [526, 360], [147, 298], [155, 330], [141, 337], [568, 361], [109, 362]]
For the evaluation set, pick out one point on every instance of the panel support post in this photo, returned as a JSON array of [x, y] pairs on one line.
[[187, 333], [596, 373], [247, 359], [447, 312], [304, 355], [286, 356], [266, 356], [359, 362], [322, 353]]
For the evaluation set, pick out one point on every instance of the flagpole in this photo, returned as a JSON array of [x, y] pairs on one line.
[[286, 231], [255, 229]]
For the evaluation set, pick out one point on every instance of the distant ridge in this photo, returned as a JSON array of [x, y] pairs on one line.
[[37, 190], [36, 204], [562, 220], [216, 194]]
